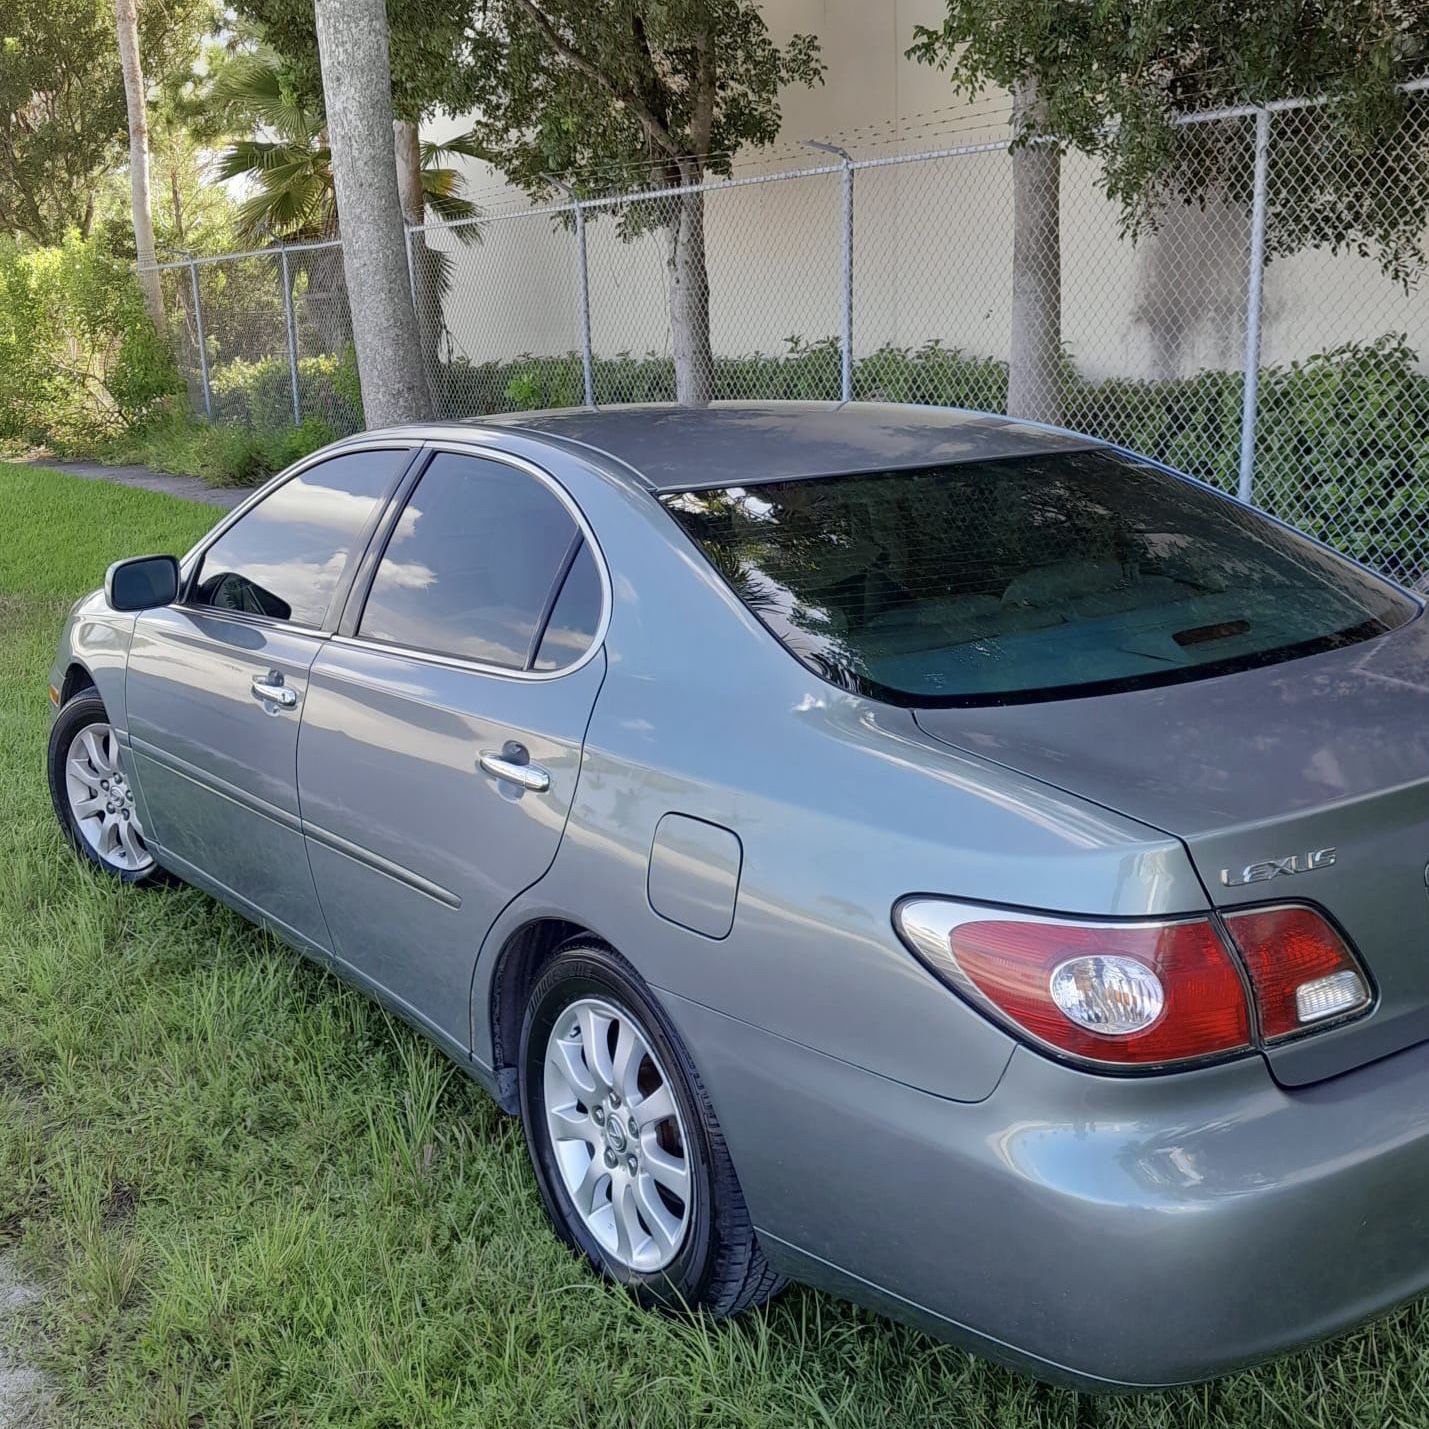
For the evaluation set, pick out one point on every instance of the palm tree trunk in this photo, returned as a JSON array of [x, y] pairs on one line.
[[1034, 378], [357, 85], [126, 22]]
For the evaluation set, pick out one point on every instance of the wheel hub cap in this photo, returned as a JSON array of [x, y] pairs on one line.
[[102, 802], [618, 1135]]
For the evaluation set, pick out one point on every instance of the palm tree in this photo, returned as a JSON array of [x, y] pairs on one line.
[[294, 200], [127, 26], [290, 163]]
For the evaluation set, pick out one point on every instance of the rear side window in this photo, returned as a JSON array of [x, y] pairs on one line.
[[284, 558], [1027, 578], [475, 566]]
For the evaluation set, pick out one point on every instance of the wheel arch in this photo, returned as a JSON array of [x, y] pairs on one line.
[[523, 956], [76, 678]]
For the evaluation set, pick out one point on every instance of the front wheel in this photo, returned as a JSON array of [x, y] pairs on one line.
[[628, 1154], [91, 795]]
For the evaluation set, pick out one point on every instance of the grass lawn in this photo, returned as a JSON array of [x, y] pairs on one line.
[[255, 1200]]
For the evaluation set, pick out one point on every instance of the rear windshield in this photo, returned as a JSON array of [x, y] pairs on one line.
[[1027, 578]]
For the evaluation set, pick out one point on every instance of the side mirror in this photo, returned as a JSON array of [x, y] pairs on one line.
[[142, 583]]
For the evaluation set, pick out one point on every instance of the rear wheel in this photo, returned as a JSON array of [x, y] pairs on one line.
[[91, 794], [627, 1151]]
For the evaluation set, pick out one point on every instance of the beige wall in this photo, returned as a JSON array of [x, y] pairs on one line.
[[933, 243]]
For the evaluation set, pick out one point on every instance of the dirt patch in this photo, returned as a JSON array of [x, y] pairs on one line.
[[22, 1391], [119, 1204]]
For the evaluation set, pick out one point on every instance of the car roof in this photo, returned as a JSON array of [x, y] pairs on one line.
[[671, 448]]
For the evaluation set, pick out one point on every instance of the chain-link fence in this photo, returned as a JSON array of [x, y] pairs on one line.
[[1267, 331]]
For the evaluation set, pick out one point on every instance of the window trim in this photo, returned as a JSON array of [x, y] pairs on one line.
[[192, 562], [346, 631]]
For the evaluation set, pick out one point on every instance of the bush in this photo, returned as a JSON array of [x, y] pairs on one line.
[[260, 394], [79, 358], [223, 455]]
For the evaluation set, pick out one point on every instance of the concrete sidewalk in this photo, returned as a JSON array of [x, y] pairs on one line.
[[22, 1390], [189, 487]]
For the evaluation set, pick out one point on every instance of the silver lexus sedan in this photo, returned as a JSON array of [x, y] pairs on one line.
[[955, 863]]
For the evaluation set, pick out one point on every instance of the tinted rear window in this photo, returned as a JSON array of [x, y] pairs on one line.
[[1027, 578]]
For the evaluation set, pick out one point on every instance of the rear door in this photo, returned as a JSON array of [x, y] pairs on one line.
[[216, 684], [443, 726]]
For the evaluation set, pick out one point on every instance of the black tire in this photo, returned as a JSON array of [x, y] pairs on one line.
[[80, 712], [719, 1268]]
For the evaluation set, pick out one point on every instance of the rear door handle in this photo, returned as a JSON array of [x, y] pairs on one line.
[[528, 776], [271, 689]]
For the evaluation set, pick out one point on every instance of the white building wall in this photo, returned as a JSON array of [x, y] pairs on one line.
[[933, 244]]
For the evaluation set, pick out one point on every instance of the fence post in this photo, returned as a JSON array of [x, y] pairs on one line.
[[292, 337], [202, 342], [846, 332], [1254, 294], [582, 288]]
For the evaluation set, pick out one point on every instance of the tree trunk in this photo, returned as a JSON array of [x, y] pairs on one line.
[[425, 278], [357, 86], [126, 22], [689, 301], [1034, 378]]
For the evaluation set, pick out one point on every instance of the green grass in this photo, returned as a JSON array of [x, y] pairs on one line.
[[254, 1200]]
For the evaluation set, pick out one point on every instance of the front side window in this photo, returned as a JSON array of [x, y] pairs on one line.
[[475, 564], [1069, 573], [284, 558]]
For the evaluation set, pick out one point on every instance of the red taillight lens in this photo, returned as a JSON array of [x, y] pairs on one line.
[[1300, 968], [1127, 994]]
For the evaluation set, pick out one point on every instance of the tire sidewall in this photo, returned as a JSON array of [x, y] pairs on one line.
[[593, 972], [80, 711]]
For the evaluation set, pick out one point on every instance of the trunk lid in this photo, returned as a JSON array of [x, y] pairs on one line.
[[1330, 751]]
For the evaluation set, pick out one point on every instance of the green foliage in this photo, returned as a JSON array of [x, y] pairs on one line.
[[222, 455], [430, 41], [289, 167], [62, 116], [79, 357], [260, 394], [566, 87], [1110, 76]]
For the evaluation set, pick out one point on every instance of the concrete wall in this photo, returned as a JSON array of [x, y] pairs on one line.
[[933, 244]]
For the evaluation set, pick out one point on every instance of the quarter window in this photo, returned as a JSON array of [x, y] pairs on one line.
[[472, 569], [574, 616], [285, 557]]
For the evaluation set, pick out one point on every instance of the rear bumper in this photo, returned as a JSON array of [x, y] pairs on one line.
[[1110, 1233]]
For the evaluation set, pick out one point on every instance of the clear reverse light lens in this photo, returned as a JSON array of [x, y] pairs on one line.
[[1326, 996], [1109, 995]]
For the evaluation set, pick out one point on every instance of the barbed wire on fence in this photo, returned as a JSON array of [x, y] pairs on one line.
[[1230, 338]]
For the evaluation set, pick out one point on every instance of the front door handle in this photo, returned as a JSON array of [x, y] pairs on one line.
[[271, 689], [516, 771]]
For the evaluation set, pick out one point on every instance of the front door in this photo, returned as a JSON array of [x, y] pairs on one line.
[[216, 684], [441, 740]]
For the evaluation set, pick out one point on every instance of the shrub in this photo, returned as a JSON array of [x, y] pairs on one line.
[[260, 394], [223, 455], [79, 358]]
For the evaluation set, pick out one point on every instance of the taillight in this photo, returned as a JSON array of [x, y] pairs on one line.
[[1122, 994], [1300, 968]]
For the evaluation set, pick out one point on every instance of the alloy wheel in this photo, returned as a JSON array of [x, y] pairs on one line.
[[101, 801], [618, 1135]]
